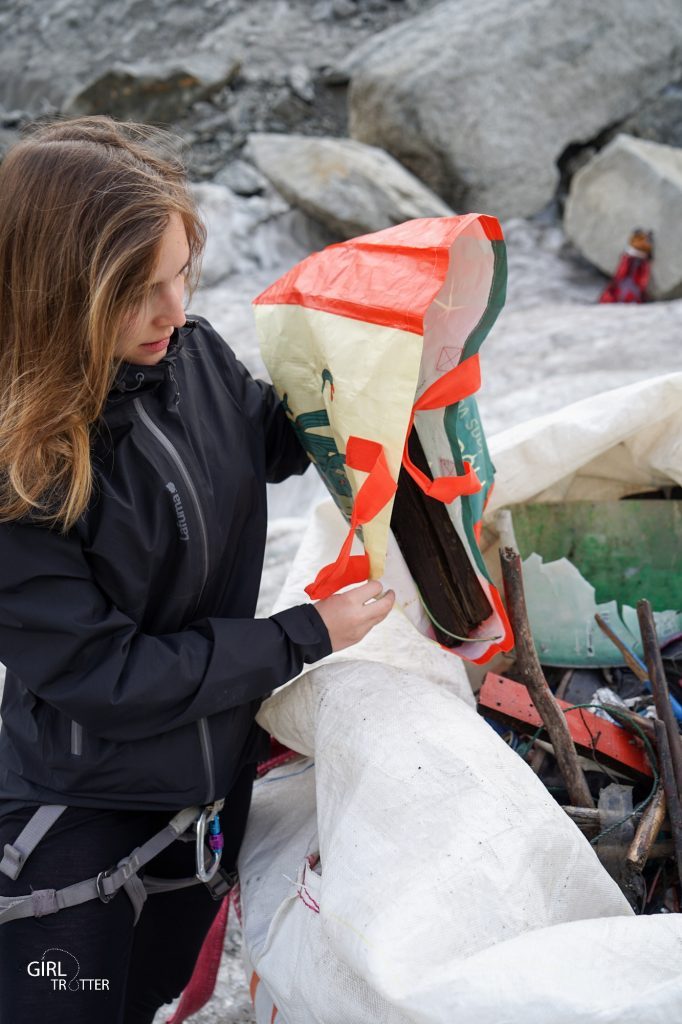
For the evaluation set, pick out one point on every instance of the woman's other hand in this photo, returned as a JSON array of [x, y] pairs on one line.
[[350, 616]]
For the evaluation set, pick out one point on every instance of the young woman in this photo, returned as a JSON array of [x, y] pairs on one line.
[[134, 453]]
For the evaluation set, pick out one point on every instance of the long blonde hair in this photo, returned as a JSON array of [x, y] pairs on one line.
[[83, 207]]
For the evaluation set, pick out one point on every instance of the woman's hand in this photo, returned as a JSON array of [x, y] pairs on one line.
[[350, 616]]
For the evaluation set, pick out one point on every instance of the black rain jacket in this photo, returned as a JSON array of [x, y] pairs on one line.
[[134, 664]]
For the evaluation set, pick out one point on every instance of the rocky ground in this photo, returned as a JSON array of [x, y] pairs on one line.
[[283, 54]]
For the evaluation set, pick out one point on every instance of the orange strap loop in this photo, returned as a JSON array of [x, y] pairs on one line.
[[375, 493], [452, 387]]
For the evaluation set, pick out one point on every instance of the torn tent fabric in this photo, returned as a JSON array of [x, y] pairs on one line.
[[369, 336]]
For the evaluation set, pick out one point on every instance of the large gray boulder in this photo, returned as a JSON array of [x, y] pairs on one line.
[[152, 91], [631, 183], [480, 100], [351, 188], [659, 120]]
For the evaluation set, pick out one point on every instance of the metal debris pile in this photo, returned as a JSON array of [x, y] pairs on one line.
[[604, 738]]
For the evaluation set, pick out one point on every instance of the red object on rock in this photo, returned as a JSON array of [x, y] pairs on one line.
[[631, 280]]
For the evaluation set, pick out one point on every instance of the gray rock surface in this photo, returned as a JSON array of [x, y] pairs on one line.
[[630, 183], [480, 100], [152, 91], [242, 178], [7, 139], [350, 188], [255, 233], [539, 359], [50, 52], [251, 234], [216, 205], [659, 120]]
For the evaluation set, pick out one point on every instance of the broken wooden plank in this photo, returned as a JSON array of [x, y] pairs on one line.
[[539, 756], [589, 821], [629, 656], [436, 557]]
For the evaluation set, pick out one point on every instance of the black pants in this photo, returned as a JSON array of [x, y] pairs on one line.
[[88, 963]]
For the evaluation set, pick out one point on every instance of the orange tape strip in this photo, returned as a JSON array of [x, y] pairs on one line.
[[375, 493], [452, 387]]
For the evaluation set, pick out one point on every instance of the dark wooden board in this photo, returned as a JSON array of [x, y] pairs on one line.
[[435, 556]]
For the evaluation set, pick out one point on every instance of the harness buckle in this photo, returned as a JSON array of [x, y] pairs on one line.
[[99, 885]]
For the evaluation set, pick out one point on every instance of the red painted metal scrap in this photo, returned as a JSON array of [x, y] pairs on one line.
[[592, 735]]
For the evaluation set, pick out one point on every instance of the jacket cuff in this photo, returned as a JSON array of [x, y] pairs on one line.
[[305, 628]]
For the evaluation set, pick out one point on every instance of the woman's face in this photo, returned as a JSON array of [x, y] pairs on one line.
[[145, 339]]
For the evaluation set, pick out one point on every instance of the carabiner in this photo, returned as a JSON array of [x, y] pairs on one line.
[[202, 873]]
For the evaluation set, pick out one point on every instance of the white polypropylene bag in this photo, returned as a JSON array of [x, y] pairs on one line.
[[450, 887], [598, 449]]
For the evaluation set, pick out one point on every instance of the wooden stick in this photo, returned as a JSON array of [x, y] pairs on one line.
[[628, 655], [670, 788], [647, 831], [539, 756], [659, 687], [533, 678], [589, 820], [589, 823]]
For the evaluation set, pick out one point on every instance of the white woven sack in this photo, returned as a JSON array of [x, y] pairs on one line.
[[599, 449], [293, 975], [435, 841], [452, 887]]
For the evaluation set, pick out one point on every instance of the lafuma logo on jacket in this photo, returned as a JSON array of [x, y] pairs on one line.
[[183, 529]]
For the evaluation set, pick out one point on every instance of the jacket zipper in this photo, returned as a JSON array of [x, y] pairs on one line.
[[76, 739], [184, 473], [169, 447]]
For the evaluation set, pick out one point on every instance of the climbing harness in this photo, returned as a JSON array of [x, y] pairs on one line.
[[124, 874]]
